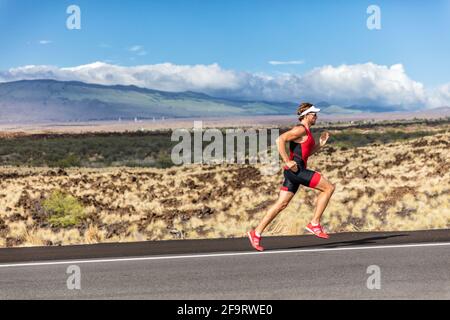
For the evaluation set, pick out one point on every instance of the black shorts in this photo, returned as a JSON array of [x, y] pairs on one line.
[[293, 180]]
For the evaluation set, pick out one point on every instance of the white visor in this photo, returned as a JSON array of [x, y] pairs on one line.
[[310, 110]]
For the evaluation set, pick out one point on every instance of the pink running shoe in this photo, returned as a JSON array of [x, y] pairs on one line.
[[254, 240], [317, 230]]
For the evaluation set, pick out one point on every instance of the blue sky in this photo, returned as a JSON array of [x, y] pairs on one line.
[[242, 35]]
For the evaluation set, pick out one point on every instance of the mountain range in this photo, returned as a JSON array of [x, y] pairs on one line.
[[62, 101]]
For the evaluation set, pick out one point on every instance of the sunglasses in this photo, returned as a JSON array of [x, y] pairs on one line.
[[313, 114]]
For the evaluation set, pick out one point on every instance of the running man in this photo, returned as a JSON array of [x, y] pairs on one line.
[[301, 146]]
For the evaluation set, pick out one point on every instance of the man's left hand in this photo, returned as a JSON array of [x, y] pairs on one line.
[[324, 138]]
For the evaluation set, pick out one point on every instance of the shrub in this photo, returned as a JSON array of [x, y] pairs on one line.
[[64, 210], [70, 161]]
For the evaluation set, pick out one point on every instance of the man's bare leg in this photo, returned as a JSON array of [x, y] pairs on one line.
[[282, 202], [326, 189]]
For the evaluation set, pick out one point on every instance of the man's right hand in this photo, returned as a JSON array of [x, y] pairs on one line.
[[291, 165]]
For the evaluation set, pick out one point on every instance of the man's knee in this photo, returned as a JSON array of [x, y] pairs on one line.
[[330, 188], [283, 204]]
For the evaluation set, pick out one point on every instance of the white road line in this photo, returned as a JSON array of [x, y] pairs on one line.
[[36, 264]]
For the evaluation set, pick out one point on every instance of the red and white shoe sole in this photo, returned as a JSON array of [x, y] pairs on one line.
[[251, 242], [308, 229]]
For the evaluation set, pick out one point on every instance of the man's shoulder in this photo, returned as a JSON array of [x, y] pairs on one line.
[[300, 128]]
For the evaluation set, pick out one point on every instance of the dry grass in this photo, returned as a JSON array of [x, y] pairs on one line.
[[398, 186]]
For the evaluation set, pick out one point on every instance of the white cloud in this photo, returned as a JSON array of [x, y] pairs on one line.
[[135, 48], [364, 84], [277, 63], [44, 42], [440, 96], [138, 50]]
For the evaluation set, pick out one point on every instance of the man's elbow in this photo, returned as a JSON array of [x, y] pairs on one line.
[[280, 141]]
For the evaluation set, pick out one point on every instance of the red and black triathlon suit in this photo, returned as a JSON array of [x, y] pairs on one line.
[[299, 152]]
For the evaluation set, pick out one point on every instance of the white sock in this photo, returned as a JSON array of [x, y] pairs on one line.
[[315, 224], [257, 234]]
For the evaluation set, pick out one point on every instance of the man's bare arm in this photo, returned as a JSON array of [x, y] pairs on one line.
[[323, 140], [290, 135]]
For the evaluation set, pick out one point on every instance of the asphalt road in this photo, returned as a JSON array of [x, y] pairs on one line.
[[394, 265]]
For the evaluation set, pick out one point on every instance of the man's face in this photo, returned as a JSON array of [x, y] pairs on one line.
[[312, 118]]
